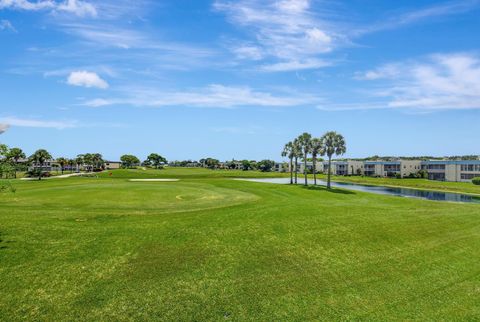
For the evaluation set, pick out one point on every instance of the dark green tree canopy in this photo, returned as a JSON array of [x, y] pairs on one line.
[[155, 160], [129, 161], [266, 165]]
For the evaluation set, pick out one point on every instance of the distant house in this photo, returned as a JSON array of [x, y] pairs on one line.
[[112, 165], [47, 166]]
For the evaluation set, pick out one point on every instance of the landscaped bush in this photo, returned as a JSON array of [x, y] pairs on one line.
[[476, 181], [36, 174]]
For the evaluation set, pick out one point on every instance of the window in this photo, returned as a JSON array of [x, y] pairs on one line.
[[436, 167], [467, 176]]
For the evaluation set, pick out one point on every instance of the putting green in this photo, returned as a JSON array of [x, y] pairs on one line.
[[86, 195]]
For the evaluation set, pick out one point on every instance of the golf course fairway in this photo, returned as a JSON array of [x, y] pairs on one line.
[[210, 248]]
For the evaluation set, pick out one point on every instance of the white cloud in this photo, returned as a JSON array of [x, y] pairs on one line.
[[415, 16], [385, 71], [35, 123], [215, 96], [7, 25], [438, 82], [77, 7], [297, 6], [286, 31], [248, 52], [27, 5], [295, 65], [3, 128], [86, 79]]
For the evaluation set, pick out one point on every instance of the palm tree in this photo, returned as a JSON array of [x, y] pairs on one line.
[[316, 149], [288, 152], [79, 160], [333, 143], [97, 161], [62, 162], [305, 141], [15, 154], [71, 163], [39, 158], [297, 153], [88, 161]]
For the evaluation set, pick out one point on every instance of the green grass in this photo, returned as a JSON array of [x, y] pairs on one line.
[[211, 248], [190, 173]]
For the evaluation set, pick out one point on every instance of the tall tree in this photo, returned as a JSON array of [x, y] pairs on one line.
[[297, 153], [3, 159], [266, 165], [333, 143], [88, 161], [15, 154], [155, 160], [289, 153], [79, 161], [71, 163], [62, 162], [316, 150], [129, 161], [39, 158], [97, 161], [305, 141]]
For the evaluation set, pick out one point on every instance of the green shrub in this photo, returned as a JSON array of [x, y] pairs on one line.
[[476, 181]]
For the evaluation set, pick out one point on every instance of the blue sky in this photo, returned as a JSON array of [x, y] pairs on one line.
[[238, 79]]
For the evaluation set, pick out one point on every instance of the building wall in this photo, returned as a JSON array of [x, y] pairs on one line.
[[452, 170], [409, 167], [110, 165], [437, 170]]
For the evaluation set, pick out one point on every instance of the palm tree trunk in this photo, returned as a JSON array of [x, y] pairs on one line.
[[329, 171], [305, 168], [296, 170], [291, 170], [314, 160]]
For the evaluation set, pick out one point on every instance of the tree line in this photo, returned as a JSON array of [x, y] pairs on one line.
[[330, 144], [13, 160]]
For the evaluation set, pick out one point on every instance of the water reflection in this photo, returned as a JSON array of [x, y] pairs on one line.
[[402, 192]]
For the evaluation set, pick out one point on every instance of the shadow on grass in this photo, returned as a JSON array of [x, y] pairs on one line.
[[332, 190], [2, 243]]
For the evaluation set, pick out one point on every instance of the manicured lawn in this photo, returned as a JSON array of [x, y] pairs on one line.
[[211, 248]]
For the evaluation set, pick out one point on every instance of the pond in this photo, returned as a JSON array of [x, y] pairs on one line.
[[382, 190]]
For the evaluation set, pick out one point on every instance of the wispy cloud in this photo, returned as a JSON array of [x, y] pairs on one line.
[[86, 79], [6, 25], [37, 123], [286, 31], [77, 7], [415, 16], [291, 35], [296, 65], [438, 82], [15, 121], [3, 128], [213, 96]]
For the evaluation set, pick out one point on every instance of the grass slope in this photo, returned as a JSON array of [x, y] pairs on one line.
[[212, 248]]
